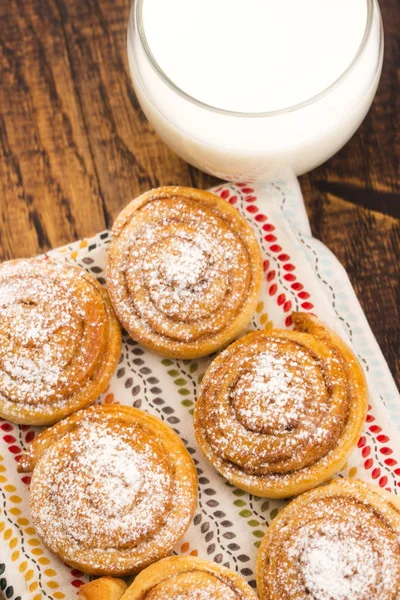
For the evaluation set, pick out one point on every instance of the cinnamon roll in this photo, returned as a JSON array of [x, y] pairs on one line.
[[59, 340], [337, 542], [182, 577], [113, 489], [184, 271], [279, 411], [105, 588]]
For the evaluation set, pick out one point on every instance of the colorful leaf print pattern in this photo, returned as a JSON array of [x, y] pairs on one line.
[[229, 523]]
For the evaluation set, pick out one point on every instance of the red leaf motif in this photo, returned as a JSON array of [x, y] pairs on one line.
[[76, 573], [281, 299], [362, 441], [290, 267], [15, 449], [273, 289], [307, 305], [287, 306], [374, 428], [304, 295], [386, 451], [289, 321], [297, 286], [375, 473], [9, 439]]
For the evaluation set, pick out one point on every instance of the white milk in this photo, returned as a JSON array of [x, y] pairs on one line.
[[282, 58]]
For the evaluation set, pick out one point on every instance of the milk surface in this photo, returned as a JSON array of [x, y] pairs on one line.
[[254, 55]]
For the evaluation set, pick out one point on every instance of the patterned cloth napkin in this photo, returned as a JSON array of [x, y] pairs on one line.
[[299, 274]]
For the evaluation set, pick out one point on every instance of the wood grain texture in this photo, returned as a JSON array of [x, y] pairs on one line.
[[75, 147]]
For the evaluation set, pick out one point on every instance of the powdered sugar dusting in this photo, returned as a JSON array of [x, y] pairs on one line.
[[179, 271], [336, 549], [272, 406], [271, 394], [111, 489], [48, 338], [337, 567], [104, 490]]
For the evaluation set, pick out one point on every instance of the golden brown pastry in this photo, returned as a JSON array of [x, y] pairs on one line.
[[185, 577], [279, 411], [337, 542], [105, 588], [113, 489], [59, 340], [184, 271]]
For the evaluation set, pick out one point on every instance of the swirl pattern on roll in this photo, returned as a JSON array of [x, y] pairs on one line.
[[337, 542], [184, 271], [279, 411], [59, 340], [113, 489], [185, 577]]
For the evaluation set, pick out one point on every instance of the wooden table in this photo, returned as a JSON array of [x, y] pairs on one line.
[[75, 147]]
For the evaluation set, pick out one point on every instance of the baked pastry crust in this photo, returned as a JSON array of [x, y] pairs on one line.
[[279, 411], [188, 577], [184, 271], [113, 489], [59, 340], [105, 588], [336, 542]]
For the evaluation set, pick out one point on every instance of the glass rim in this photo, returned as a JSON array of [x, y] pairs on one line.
[[137, 13]]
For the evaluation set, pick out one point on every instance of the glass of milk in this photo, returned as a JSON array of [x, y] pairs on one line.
[[249, 90]]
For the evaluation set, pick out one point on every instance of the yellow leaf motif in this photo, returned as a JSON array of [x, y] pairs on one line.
[[23, 566], [352, 472], [260, 307], [53, 584]]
